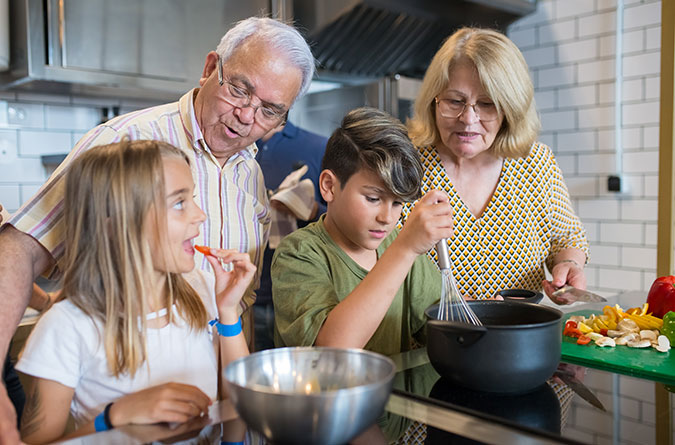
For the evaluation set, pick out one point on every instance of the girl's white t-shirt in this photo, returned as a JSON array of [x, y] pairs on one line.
[[65, 346]]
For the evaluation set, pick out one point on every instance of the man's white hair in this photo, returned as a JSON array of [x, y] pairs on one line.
[[285, 38]]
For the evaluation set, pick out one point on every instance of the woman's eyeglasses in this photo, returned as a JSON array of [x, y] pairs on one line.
[[453, 109]]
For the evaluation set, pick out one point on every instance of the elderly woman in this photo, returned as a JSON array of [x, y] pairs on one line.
[[475, 125]]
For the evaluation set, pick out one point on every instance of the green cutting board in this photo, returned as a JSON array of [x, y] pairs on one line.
[[645, 363]]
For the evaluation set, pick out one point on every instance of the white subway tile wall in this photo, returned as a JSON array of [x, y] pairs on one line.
[[11, 195], [38, 143], [621, 233], [33, 125], [570, 48]]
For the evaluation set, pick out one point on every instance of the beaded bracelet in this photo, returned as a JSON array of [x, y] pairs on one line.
[[227, 330]]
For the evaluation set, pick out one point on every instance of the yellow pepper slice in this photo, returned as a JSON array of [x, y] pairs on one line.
[[583, 327]]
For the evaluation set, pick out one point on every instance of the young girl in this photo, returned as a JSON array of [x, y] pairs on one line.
[[132, 341]]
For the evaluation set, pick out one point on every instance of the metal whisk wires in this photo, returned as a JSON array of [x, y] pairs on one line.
[[452, 306]]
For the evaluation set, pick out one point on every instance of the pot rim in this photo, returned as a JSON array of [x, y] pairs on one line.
[[549, 309]]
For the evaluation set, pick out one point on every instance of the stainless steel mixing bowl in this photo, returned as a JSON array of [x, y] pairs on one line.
[[310, 395]]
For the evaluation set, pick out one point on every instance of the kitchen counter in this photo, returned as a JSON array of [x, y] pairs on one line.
[[443, 413]]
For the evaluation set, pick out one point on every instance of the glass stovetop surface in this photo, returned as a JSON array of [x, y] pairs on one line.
[[554, 411], [424, 408], [427, 409]]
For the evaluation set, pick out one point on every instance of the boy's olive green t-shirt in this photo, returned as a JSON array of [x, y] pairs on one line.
[[311, 275]]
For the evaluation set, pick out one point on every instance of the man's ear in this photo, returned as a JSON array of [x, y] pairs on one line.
[[210, 65], [328, 184]]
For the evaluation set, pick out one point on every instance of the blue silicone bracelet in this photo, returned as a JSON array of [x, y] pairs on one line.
[[102, 421], [99, 423], [227, 330]]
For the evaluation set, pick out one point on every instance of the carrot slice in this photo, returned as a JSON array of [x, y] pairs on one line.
[[203, 249]]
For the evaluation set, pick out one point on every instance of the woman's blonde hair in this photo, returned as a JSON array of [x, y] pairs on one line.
[[113, 193], [505, 77]]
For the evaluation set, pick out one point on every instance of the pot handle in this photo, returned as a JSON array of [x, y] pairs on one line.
[[521, 295], [463, 333]]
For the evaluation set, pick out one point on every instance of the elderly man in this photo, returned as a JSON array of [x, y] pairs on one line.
[[258, 70]]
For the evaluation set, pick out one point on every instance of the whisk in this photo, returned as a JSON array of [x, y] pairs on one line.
[[452, 306]]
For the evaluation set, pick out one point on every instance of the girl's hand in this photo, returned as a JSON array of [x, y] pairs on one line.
[[230, 286], [170, 402]]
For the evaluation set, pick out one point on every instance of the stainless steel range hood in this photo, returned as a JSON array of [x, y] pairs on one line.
[[155, 48], [149, 49], [374, 38]]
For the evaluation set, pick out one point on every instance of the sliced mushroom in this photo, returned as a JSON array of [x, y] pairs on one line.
[[663, 344], [627, 325], [595, 336], [648, 334], [624, 339], [639, 344], [577, 318], [614, 333], [605, 341]]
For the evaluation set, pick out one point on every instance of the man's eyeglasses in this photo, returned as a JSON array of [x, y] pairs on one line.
[[453, 109], [267, 115]]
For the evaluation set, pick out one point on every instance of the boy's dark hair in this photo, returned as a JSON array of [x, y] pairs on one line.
[[372, 139]]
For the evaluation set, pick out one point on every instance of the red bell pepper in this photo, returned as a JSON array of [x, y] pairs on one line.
[[661, 297], [571, 324], [568, 327], [584, 340], [571, 330]]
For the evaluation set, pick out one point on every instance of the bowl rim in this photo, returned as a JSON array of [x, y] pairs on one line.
[[313, 349]]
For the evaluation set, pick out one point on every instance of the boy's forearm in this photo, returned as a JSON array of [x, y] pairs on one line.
[[355, 319]]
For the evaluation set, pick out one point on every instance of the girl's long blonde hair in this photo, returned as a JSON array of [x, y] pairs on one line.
[[113, 192]]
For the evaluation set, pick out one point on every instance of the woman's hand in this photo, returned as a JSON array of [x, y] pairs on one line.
[[565, 272], [170, 402], [429, 221], [230, 286]]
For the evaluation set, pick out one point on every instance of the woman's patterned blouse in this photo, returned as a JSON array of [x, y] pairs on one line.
[[528, 220]]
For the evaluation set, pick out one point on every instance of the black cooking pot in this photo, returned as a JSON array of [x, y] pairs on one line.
[[515, 351]]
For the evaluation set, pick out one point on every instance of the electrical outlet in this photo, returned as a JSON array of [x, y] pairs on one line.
[[617, 184], [8, 151]]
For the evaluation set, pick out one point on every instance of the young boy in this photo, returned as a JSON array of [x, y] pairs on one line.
[[351, 279]]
